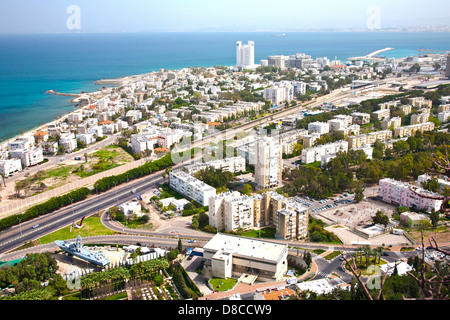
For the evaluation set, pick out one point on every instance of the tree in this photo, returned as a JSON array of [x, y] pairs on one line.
[[180, 245], [85, 157], [359, 191], [247, 189], [434, 217]]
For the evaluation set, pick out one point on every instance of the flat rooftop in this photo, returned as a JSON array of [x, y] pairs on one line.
[[246, 247]]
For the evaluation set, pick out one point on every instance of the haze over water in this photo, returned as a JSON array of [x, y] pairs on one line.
[[70, 63]]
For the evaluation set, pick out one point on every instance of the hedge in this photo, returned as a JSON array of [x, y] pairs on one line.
[[148, 168], [50, 205]]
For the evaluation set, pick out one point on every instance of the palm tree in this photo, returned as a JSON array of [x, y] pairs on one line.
[[85, 157]]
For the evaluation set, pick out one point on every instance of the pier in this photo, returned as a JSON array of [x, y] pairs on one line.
[[371, 56]]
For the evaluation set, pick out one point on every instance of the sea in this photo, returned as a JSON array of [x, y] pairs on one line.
[[70, 63]]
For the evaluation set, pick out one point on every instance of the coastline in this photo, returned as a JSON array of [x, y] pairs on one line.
[[110, 82]]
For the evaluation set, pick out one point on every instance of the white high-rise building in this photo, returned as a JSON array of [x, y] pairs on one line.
[[269, 163], [245, 55]]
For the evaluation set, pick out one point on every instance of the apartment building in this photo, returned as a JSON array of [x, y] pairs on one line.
[[40, 136], [420, 118], [319, 127], [393, 123], [231, 211], [313, 154], [347, 119], [408, 195], [420, 102], [49, 147], [31, 157], [22, 143], [75, 117], [191, 187], [67, 142], [360, 118], [10, 166], [279, 94], [443, 108], [352, 130], [382, 114], [142, 142], [291, 222], [370, 138], [337, 124], [310, 139], [269, 163], [443, 116], [233, 165], [406, 109], [411, 130]]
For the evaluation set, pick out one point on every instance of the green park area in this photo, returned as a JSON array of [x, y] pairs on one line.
[[92, 226], [268, 233], [220, 284]]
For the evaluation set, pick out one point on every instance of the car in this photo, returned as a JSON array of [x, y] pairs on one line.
[[191, 241], [36, 226], [78, 158], [341, 258]]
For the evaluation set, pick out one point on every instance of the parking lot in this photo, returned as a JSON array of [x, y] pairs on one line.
[[317, 206]]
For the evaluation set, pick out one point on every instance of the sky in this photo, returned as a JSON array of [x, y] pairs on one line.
[[96, 16]]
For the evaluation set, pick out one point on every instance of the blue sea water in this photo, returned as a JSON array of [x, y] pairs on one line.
[[71, 63]]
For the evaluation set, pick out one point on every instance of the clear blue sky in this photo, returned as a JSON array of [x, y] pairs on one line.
[[42, 16]]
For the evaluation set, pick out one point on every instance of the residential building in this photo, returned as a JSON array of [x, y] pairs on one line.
[[408, 195], [319, 127], [279, 94], [40, 136], [233, 165], [336, 125], [382, 114], [420, 118], [411, 130], [49, 147], [360, 118], [67, 142], [191, 187], [310, 139], [313, 154], [22, 143], [406, 109], [245, 55], [291, 222], [31, 157], [393, 123], [10, 166], [370, 138], [443, 116], [227, 256], [420, 102], [443, 108], [87, 138], [352, 130], [231, 211], [269, 163]]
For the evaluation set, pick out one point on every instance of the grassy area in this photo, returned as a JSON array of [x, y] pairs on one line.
[[332, 255], [318, 251], [220, 284], [362, 266], [265, 233], [406, 249], [92, 226], [119, 296]]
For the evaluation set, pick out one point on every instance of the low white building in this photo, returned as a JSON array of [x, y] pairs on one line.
[[319, 127], [191, 187], [68, 142], [10, 166], [233, 165], [228, 256], [86, 138], [310, 155], [31, 157], [131, 208]]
